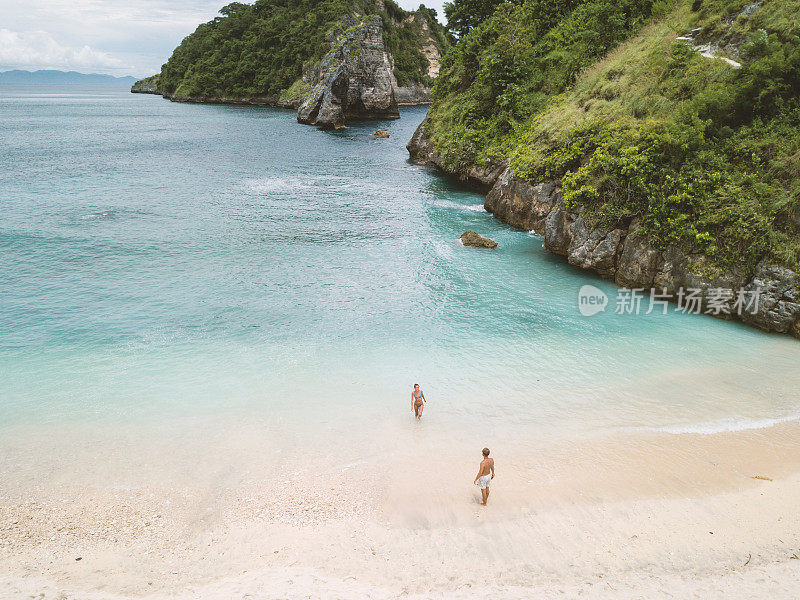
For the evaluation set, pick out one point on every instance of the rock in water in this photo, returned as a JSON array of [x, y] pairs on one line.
[[380, 133], [470, 238], [353, 81]]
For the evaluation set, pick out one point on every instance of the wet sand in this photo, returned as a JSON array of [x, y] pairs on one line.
[[647, 515]]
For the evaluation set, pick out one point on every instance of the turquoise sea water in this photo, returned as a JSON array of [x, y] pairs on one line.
[[161, 262]]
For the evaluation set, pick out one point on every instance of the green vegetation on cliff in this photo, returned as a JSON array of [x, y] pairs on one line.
[[148, 85], [262, 49], [512, 65], [464, 15], [602, 96]]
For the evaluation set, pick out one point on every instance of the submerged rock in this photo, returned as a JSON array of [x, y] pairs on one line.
[[470, 238], [380, 133]]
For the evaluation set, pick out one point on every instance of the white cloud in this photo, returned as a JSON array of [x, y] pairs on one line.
[[124, 37], [119, 37], [39, 50]]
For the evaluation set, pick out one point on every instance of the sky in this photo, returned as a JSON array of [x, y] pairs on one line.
[[117, 37]]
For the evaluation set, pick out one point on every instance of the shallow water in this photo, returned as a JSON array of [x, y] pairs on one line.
[[169, 264]]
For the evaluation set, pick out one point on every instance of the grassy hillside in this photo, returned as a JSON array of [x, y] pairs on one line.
[[262, 49], [601, 95]]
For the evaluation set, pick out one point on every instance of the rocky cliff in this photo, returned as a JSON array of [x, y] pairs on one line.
[[347, 60], [621, 253], [353, 81], [432, 46], [657, 146]]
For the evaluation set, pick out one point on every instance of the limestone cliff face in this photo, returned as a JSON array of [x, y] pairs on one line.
[[414, 93], [622, 253], [417, 93], [353, 81]]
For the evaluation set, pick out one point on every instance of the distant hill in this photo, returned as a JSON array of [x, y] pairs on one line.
[[62, 77]]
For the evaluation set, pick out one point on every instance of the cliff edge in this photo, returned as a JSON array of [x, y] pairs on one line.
[[658, 150], [767, 298]]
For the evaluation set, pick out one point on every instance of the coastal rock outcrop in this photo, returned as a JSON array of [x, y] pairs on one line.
[[779, 299], [148, 85], [595, 249], [638, 262], [422, 152], [470, 238], [623, 253], [518, 203], [412, 94], [235, 101], [353, 81], [640, 215]]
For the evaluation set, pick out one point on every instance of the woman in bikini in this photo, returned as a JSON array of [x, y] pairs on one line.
[[417, 401]]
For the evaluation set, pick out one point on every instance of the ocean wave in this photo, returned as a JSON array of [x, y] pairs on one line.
[[464, 207], [275, 184], [443, 249], [99, 216], [271, 185], [109, 214], [726, 425]]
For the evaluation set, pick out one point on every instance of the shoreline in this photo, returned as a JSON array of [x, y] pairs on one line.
[[660, 510], [254, 101], [622, 252]]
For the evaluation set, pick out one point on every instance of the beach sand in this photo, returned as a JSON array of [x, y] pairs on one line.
[[649, 515]]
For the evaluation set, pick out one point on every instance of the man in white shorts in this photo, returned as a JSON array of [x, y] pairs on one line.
[[485, 475]]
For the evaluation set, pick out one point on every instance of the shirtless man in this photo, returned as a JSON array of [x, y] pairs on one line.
[[485, 475], [417, 401]]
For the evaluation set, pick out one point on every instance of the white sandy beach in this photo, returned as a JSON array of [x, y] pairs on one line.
[[650, 516]]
